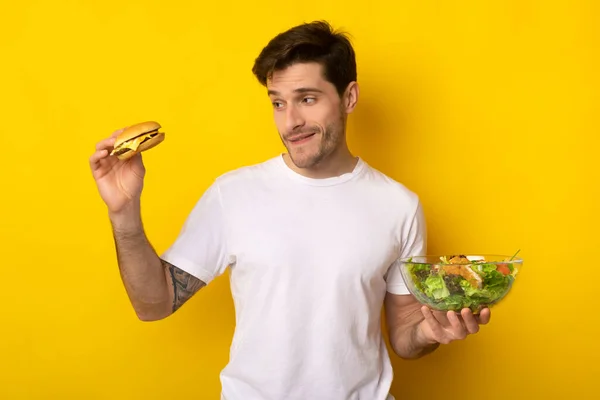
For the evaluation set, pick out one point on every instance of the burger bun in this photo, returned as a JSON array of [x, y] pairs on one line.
[[146, 132]]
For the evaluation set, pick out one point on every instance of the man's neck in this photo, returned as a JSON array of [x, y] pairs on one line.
[[336, 164]]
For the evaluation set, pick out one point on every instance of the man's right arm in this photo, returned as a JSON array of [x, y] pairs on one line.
[[155, 287]]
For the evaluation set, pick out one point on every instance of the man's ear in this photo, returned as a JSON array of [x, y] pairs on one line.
[[351, 97]]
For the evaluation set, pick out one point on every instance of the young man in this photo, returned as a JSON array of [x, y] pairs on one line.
[[310, 238]]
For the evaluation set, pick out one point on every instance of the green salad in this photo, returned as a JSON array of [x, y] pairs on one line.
[[457, 282]]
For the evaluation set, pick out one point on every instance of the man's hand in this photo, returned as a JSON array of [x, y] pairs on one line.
[[446, 327], [119, 182], [415, 330]]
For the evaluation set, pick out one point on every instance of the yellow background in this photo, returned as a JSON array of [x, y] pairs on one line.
[[489, 110]]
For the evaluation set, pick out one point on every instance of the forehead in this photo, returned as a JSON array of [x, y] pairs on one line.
[[298, 76]]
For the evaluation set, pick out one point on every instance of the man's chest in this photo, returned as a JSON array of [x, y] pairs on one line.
[[342, 240]]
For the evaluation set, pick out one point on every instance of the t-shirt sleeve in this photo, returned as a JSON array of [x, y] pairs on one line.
[[414, 243], [201, 248]]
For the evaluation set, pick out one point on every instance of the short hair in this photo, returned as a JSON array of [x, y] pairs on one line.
[[309, 42]]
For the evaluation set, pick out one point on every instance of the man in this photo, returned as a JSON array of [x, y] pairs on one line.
[[310, 238]]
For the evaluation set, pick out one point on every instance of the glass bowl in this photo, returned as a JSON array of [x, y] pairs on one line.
[[454, 282]]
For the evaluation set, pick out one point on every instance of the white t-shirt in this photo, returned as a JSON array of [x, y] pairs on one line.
[[310, 261]]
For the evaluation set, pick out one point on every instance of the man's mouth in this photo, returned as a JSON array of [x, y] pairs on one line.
[[297, 139]]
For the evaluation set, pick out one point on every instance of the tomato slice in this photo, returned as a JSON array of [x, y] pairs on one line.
[[503, 269]]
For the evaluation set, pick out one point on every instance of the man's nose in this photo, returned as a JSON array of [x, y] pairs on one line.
[[293, 119]]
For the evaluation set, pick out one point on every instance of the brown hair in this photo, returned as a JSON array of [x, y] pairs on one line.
[[309, 42]]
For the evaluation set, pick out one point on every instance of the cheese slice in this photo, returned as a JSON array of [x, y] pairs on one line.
[[134, 143]]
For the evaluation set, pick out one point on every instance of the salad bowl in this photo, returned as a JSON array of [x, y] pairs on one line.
[[454, 282]]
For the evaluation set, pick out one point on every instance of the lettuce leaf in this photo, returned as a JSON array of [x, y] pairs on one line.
[[435, 287]]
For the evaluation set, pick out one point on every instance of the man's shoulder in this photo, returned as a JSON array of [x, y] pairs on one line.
[[390, 187], [248, 174]]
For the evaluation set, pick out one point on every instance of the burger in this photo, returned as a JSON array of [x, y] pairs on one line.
[[137, 138]]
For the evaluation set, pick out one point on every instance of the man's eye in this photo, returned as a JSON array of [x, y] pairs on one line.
[[309, 100], [277, 104]]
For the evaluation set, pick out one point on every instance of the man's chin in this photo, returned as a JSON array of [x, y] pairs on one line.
[[303, 160]]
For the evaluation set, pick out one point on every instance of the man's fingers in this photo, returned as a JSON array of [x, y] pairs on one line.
[[434, 324], [103, 149], [442, 318], [106, 144], [97, 157], [458, 328], [484, 316], [117, 132], [449, 326], [470, 321]]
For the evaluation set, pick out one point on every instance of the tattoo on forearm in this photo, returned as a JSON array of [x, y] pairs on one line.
[[184, 285]]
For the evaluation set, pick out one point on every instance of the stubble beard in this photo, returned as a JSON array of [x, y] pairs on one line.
[[331, 139]]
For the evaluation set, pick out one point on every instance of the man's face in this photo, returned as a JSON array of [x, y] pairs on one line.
[[309, 113]]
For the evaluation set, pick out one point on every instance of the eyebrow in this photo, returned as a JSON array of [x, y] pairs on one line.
[[299, 90]]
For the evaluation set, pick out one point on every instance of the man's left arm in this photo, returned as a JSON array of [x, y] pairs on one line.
[[415, 330]]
